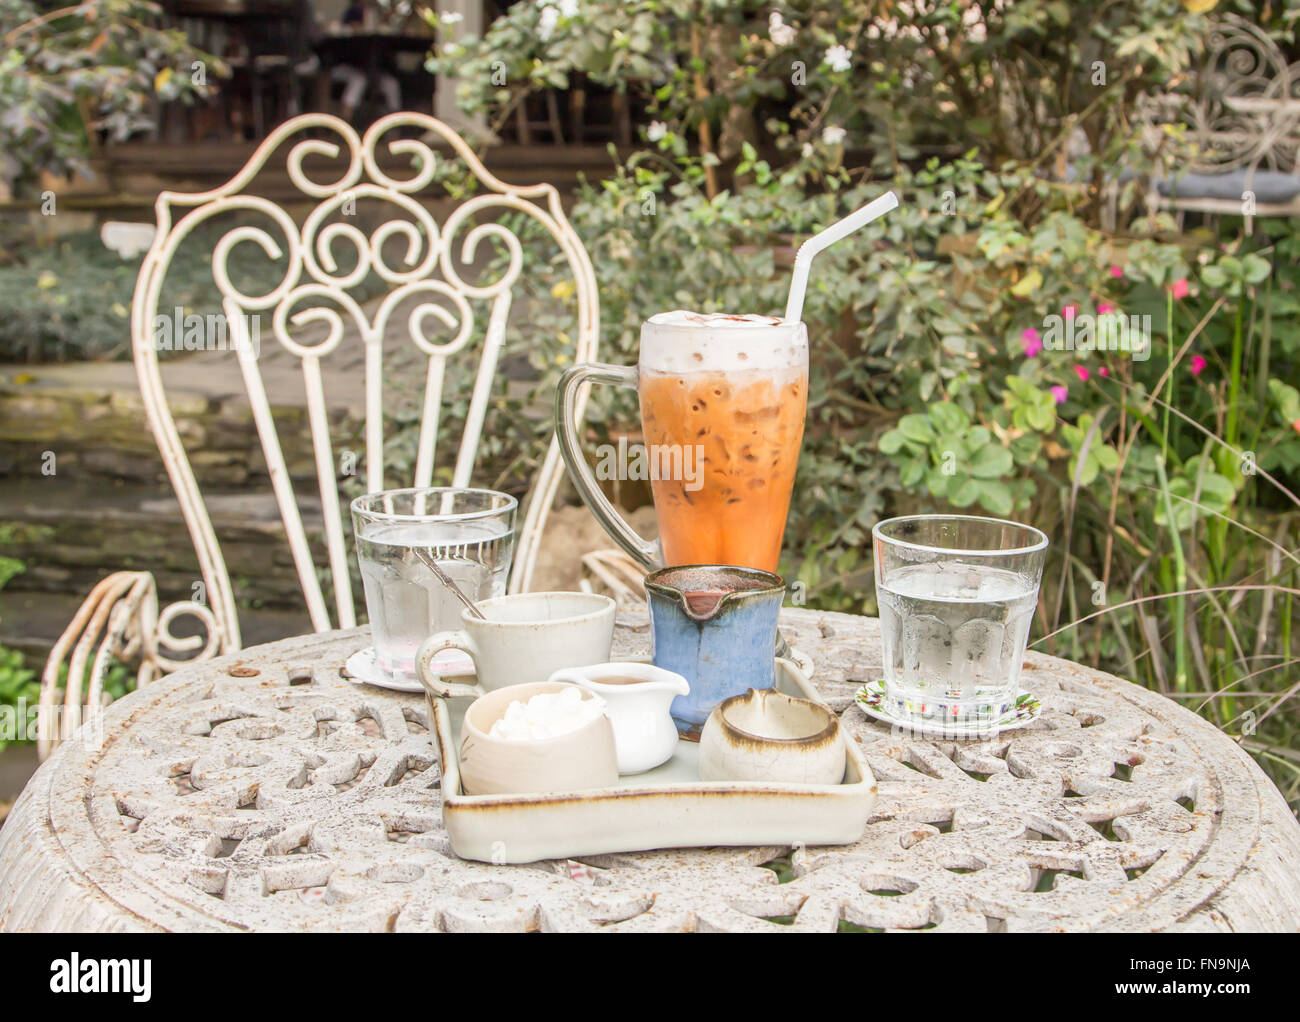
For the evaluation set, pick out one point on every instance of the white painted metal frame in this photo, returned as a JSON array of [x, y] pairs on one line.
[[1243, 112], [123, 609]]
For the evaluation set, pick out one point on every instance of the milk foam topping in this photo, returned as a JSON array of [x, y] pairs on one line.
[[684, 342]]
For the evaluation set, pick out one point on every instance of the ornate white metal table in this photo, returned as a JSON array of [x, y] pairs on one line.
[[265, 791]]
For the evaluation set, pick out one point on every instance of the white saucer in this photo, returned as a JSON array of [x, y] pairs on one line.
[[362, 669], [1024, 709]]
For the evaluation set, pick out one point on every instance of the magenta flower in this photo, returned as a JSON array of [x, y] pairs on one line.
[[1103, 371], [1179, 289], [1117, 272], [1082, 373], [1104, 307], [1029, 338], [1060, 394], [1069, 309], [1198, 365]]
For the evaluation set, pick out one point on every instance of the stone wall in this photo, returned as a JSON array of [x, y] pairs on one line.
[[103, 433]]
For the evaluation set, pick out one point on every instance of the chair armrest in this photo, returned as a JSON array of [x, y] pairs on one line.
[[119, 619], [618, 573]]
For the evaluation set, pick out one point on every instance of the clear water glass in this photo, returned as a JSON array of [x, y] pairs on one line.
[[957, 595], [468, 533]]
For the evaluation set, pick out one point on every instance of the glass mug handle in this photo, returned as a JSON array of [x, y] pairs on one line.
[[644, 552]]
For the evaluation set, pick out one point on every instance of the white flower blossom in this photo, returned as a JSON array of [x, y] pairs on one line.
[[833, 134], [972, 19], [569, 8], [781, 33], [840, 58], [885, 27], [807, 150], [546, 24], [656, 131], [450, 17]]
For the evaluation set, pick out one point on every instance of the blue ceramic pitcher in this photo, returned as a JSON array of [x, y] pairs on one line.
[[715, 625]]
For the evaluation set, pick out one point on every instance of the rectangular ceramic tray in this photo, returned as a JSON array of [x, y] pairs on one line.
[[668, 807]]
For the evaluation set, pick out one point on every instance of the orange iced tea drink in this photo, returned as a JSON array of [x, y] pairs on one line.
[[723, 400]]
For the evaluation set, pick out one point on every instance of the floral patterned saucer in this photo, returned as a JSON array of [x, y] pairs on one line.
[[1023, 709], [362, 668]]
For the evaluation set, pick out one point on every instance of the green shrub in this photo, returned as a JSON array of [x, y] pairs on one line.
[[1167, 483], [70, 72], [69, 299]]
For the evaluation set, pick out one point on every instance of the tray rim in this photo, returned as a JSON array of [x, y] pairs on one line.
[[453, 798]]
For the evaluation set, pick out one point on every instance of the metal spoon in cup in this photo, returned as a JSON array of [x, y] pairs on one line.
[[447, 581]]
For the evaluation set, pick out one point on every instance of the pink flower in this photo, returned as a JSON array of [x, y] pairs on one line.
[[1082, 373], [1104, 307], [1103, 371], [1296, 425], [1179, 289], [1069, 309], [1031, 342], [1198, 365], [1117, 272], [1060, 394]]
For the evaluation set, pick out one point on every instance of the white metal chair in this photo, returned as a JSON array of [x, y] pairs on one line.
[[121, 617], [1240, 118], [617, 575]]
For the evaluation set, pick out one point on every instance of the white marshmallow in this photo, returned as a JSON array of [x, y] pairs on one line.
[[547, 715]]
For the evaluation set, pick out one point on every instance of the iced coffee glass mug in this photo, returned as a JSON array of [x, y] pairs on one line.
[[723, 400]]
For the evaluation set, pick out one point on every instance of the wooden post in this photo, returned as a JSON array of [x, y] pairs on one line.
[[444, 95], [705, 128]]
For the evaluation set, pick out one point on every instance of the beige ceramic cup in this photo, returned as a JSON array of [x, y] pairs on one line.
[[582, 759], [766, 735], [525, 638]]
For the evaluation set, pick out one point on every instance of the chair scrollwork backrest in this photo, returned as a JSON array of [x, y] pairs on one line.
[[432, 298], [1233, 108]]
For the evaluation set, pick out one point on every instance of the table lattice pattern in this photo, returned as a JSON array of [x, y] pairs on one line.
[[266, 791]]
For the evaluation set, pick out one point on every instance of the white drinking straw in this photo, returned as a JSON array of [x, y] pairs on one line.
[[873, 210]]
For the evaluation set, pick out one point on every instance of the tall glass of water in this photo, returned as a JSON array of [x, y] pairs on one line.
[[469, 534], [957, 595]]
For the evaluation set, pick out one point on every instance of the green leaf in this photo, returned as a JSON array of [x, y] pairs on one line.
[[1087, 474], [949, 418], [1027, 284], [991, 461], [1042, 417], [916, 427], [936, 482], [892, 442], [929, 381], [1257, 269], [1025, 448], [963, 491], [996, 497], [1213, 277]]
